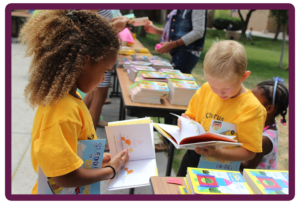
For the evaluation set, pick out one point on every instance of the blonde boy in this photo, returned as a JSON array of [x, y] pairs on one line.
[[223, 97]]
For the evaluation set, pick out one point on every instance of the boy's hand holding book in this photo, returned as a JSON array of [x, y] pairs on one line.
[[208, 151], [179, 121]]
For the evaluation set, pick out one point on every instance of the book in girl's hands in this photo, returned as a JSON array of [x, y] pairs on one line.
[[91, 152], [154, 76], [263, 181], [192, 134], [212, 181], [138, 21], [142, 162]]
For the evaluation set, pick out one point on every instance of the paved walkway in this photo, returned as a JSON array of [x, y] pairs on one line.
[[23, 175]]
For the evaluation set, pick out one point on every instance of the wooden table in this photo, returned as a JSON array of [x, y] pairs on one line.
[[159, 185]]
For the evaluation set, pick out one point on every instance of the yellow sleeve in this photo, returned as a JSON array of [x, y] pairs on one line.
[[194, 104], [251, 127], [56, 149]]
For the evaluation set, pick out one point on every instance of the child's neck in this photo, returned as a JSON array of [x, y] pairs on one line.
[[270, 121], [73, 91]]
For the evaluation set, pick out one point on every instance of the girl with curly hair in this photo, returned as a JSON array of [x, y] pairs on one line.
[[69, 50]]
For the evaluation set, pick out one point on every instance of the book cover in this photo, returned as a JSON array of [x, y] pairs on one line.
[[267, 181], [211, 181], [154, 86], [91, 152], [182, 190], [142, 162], [222, 128], [153, 75], [184, 84]]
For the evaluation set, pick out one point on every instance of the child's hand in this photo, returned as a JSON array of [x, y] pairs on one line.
[[120, 23], [118, 161], [150, 28], [179, 122], [166, 47], [106, 159], [208, 151]]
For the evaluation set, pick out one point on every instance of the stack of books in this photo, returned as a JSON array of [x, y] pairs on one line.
[[154, 76], [133, 71], [145, 58], [253, 181], [148, 91], [129, 64], [181, 91], [161, 64], [121, 61], [177, 74]]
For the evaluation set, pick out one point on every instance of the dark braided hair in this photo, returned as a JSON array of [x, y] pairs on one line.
[[281, 96], [60, 42]]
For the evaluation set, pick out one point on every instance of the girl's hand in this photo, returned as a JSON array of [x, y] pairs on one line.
[[120, 23], [208, 151], [150, 28], [106, 159], [179, 121], [118, 161], [166, 47]]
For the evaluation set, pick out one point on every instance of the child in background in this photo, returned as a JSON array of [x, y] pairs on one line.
[[249, 37], [274, 96], [70, 50], [225, 98]]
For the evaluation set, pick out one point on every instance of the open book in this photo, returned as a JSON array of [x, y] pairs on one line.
[[136, 136], [192, 134]]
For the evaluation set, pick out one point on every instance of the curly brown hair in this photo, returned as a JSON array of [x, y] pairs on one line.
[[60, 45]]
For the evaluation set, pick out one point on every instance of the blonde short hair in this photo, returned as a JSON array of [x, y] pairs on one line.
[[225, 60]]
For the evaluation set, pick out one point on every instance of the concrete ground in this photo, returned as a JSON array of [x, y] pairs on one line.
[[23, 176]]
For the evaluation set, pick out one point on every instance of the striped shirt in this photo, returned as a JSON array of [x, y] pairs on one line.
[[108, 14]]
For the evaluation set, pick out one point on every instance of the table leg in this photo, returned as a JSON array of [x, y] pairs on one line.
[[122, 110], [131, 191], [115, 92], [170, 154]]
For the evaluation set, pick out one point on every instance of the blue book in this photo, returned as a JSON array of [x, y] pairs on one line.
[[91, 152]]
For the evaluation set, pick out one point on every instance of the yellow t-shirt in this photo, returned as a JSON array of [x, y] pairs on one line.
[[54, 136], [244, 110]]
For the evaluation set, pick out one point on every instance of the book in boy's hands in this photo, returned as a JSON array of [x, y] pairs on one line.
[[212, 181], [91, 152], [136, 136], [192, 134], [263, 181]]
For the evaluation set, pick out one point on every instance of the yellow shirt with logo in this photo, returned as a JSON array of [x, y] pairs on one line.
[[245, 111], [55, 132]]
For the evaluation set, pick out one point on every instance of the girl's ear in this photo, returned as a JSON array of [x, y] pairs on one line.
[[270, 109]]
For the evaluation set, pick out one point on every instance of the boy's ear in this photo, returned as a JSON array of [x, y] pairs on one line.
[[269, 109], [246, 75]]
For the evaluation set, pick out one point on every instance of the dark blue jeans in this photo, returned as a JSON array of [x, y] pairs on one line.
[[183, 60]]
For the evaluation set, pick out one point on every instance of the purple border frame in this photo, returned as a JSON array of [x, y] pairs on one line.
[[154, 6]]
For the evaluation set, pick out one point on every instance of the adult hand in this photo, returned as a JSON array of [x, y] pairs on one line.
[[166, 47], [120, 23], [150, 28], [118, 161], [179, 121], [106, 159]]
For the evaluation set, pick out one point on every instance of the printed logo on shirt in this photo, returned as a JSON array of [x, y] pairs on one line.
[[214, 116], [91, 137], [216, 125]]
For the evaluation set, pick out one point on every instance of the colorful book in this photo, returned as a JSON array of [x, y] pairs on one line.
[[154, 86], [192, 135], [91, 152], [207, 162], [182, 190], [161, 64], [267, 181], [183, 84], [121, 61], [142, 162], [154, 76], [212, 181]]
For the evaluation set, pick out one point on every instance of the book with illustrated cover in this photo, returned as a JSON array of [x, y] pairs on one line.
[[91, 152], [142, 162], [154, 76], [192, 134], [212, 181], [161, 64], [134, 69], [271, 182], [182, 190]]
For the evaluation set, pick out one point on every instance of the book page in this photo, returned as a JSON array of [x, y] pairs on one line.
[[172, 130], [131, 122], [138, 139], [134, 174]]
